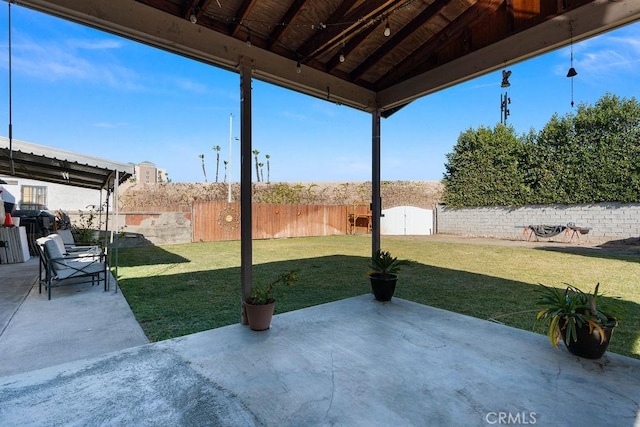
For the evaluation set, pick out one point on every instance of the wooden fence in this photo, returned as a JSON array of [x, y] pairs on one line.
[[215, 221]]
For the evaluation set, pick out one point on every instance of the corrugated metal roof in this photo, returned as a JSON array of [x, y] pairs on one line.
[[49, 164]]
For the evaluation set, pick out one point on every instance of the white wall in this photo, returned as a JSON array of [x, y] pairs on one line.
[[65, 197], [607, 221], [406, 221]]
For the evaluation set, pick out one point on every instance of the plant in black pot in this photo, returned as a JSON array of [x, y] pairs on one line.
[[383, 274], [261, 302], [582, 320]]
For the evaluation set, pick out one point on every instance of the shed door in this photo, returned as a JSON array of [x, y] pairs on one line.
[[406, 220]]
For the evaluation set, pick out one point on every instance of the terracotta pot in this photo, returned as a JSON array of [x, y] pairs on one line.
[[259, 316], [587, 343], [383, 287]]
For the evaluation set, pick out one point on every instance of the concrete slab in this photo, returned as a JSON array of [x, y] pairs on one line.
[[15, 282], [79, 322], [351, 362]]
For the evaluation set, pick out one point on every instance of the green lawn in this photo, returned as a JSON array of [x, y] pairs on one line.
[[181, 289]]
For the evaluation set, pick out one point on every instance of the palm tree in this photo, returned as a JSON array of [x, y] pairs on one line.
[[226, 162], [255, 153], [266, 156], [217, 150], [203, 169], [261, 171]]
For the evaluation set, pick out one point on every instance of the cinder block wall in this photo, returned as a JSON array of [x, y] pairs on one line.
[[608, 221]]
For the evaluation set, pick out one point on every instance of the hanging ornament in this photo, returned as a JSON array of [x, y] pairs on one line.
[[572, 71]]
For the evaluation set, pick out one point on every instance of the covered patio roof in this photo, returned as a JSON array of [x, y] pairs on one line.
[[49, 164], [370, 55]]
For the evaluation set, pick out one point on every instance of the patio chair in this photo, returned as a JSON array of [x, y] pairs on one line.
[[73, 250], [61, 270], [70, 242]]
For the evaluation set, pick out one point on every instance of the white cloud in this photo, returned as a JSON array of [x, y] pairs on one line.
[[102, 44], [293, 116], [604, 56], [192, 86], [71, 61]]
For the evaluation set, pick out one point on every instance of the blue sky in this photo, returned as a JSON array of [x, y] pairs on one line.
[[82, 90]]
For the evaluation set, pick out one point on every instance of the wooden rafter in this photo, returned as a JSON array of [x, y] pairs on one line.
[[241, 14], [400, 36], [414, 63], [288, 18], [358, 19]]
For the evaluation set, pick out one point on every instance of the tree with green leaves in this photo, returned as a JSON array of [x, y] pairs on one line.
[[255, 153], [484, 169], [204, 171], [592, 156], [217, 149], [266, 156]]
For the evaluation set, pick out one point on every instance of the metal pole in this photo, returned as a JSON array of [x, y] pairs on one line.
[[376, 202], [246, 248], [105, 238], [13, 171], [230, 154], [117, 223]]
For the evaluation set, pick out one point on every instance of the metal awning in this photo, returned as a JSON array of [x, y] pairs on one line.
[[49, 164]]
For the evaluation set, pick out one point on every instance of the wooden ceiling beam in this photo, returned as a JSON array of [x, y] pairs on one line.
[[398, 37], [289, 16], [351, 45], [326, 38], [424, 54], [189, 6], [241, 14]]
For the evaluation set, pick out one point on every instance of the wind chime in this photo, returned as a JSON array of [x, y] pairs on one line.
[[505, 100], [572, 71]]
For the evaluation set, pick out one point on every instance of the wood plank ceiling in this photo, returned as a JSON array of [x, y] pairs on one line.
[[343, 49], [347, 38]]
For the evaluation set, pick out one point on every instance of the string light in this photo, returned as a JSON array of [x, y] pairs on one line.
[[316, 26], [194, 15], [244, 22]]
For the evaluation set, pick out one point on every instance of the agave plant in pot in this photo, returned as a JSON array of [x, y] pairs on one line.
[[383, 274], [583, 321], [261, 302]]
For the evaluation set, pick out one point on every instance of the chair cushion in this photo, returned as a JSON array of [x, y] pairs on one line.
[[67, 237], [56, 238], [53, 253], [80, 268]]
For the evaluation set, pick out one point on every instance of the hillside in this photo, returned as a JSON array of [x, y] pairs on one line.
[[143, 197]]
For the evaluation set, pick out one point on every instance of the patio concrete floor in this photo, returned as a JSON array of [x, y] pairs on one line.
[[355, 362]]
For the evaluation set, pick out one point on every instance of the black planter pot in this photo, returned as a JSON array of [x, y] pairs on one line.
[[587, 344], [383, 287]]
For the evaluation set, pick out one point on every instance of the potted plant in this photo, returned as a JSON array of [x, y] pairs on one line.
[[584, 323], [261, 302], [382, 274]]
